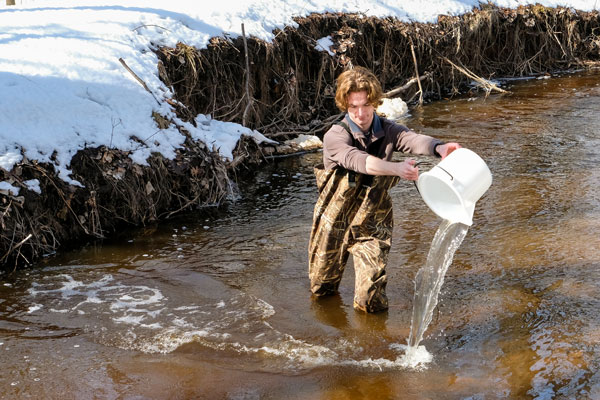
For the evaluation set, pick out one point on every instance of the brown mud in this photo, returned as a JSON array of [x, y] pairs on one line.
[[282, 88]]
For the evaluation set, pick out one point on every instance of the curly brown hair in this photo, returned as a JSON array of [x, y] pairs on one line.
[[357, 80]]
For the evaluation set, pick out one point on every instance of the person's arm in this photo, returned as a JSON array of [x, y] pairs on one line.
[[405, 169], [409, 141], [339, 149]]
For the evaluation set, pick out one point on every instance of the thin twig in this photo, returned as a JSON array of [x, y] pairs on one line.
[[483, 82], [287, 133], [13, 248], [185, 206], [138, 78], [406, 86], [412, 50], [249, 103], [147, 25]]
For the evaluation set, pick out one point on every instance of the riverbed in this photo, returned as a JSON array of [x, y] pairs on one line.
[[216, 304]]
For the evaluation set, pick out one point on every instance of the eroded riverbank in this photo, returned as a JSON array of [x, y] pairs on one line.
[[289, 94]]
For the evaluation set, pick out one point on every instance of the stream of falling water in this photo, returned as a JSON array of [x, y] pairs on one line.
[[428, 283]]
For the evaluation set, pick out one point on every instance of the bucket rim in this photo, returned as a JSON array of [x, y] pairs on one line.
[[466, 218]]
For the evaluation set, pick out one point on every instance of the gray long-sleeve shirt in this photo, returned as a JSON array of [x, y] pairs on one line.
[[350, 151]]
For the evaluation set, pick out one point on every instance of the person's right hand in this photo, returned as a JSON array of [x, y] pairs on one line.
[[407, 170], [444, 150]]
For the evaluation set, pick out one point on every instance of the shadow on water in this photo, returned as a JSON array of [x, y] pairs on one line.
[[217, 304]]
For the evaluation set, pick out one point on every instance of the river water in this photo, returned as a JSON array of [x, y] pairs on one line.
[[216, 305]]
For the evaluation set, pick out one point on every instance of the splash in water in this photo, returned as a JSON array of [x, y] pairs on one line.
[[430, 278]]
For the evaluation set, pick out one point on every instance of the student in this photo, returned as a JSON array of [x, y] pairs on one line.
[[353, 214]]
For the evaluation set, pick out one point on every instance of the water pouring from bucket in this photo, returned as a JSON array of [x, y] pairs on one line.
[[452, 187]]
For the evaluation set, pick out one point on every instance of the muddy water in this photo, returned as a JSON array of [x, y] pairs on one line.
[[217, 305]]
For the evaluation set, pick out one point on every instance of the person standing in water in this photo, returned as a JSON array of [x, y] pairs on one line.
[[353, 214]]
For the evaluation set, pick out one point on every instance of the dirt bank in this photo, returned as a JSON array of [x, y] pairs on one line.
[[287, 91]]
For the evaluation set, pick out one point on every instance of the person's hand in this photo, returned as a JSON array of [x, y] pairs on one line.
[[407, 170], [445, 149]]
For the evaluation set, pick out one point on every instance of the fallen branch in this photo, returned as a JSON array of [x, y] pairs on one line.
[[248, 97], [405, 87], [288, 133], [185, 206], [489, 86], [412, 50], [13, 248], [137, 78]]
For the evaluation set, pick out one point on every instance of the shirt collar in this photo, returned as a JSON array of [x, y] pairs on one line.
[[375, 130]]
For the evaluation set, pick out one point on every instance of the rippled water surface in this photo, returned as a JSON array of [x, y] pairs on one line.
[[217, 305]]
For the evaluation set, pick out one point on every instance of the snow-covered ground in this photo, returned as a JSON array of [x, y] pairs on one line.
[[64, 88]]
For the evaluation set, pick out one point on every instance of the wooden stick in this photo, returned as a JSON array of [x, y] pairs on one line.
[[412, 50], [249, 103], [138, 78], [484, 82], [13, 248], [405, 87]]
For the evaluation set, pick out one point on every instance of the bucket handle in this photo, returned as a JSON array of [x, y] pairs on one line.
[[449, 174], [430, 163], [416, 166]]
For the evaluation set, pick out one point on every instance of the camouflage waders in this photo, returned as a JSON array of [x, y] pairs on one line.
[[352, 217]]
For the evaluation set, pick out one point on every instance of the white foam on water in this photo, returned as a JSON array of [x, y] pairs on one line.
[[142, 318], [297, 352], [167, 341], [234, 325], [130, 319], [266, 308], [34, 307], [125, 304], [414, 357], [410, 358], [184, 308], [217, 326], [181, 323]]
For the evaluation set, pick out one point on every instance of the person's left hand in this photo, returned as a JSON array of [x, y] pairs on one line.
[[445, 149]]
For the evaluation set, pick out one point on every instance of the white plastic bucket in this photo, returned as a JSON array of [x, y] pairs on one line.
[[452, 187]]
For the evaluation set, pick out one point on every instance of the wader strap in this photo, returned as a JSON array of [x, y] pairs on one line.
[[351, 174], [346, 128], [372, 150]]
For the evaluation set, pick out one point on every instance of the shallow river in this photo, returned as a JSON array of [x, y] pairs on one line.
[[217, 305]]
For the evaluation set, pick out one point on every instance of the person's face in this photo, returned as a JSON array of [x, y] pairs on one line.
[[361, 113]]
